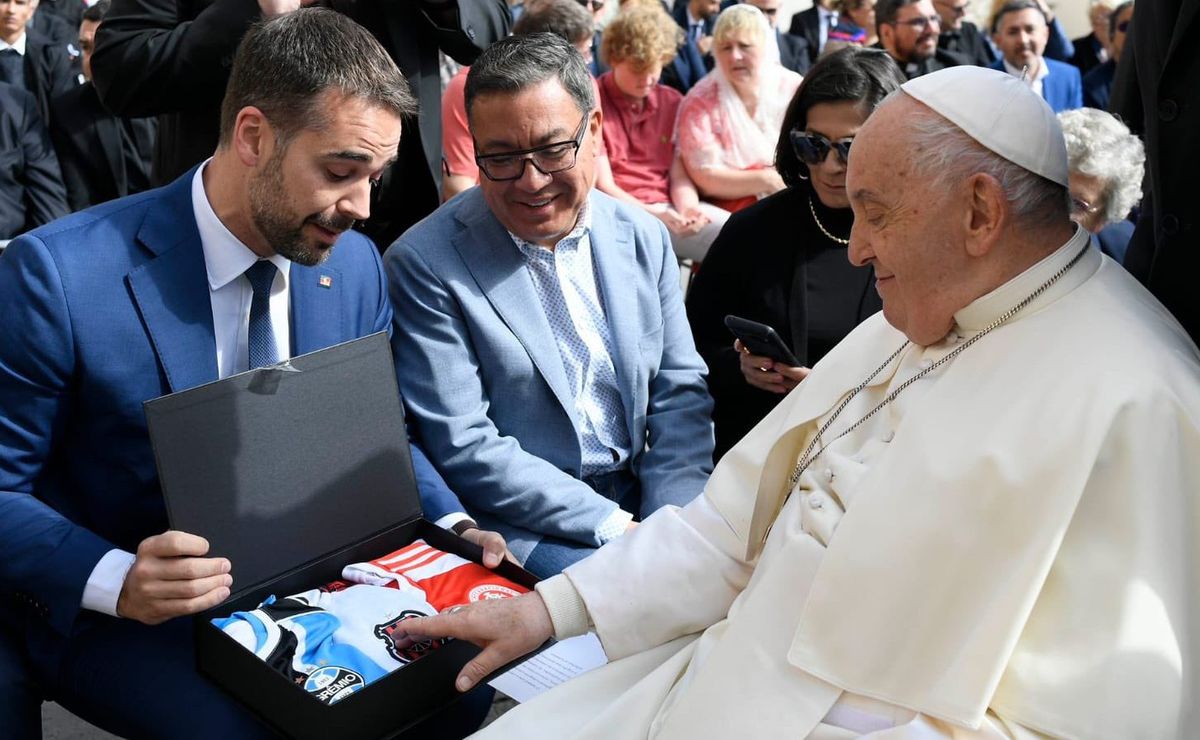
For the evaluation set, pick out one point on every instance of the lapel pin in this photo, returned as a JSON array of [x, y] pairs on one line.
[[326, 281]]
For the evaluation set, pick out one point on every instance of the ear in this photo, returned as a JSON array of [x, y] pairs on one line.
[[594, 126], [253, 137], [886, 32], [987, 214]]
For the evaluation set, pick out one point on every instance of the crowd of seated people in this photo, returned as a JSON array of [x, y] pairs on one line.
[[563, 384]]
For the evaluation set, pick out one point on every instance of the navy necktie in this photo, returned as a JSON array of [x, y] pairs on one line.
[[261, 335], [12, 68]]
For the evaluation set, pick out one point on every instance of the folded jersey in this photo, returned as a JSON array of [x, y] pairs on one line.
[[335, 640]]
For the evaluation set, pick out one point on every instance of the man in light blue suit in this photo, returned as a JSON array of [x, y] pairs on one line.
[[540, 340], [1021, 32], [244, 261]]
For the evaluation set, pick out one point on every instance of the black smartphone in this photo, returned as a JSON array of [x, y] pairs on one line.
[[761, 339]]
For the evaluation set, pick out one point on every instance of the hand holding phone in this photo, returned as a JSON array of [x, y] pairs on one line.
[[761, 339]]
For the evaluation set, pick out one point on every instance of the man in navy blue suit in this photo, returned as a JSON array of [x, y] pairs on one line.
[[243, 261], [1021, 32]]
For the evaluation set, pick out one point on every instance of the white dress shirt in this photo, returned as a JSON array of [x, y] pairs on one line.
[[1034, 80], [17, 46]]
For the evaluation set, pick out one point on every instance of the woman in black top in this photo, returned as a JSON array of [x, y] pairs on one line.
[[782, 261]]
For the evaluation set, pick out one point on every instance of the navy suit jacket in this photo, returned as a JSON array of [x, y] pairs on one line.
[[99, 312], [1062, 89]]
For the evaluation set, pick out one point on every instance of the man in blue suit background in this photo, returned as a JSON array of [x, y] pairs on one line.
[[246, 260], [1021, 32], [541, 341]]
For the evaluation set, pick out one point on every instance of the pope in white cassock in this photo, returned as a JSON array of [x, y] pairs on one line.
[[976, 518]]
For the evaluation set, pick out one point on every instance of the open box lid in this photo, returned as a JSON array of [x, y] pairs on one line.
[[281, 466]]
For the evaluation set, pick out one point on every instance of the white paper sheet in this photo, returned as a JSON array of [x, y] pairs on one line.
[[552, 666]]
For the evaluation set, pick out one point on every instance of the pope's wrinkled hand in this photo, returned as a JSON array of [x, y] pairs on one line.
[[506, 629]]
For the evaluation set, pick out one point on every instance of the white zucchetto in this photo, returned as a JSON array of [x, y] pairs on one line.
[[999, 111]]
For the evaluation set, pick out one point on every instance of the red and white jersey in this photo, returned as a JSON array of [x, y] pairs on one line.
[[446, 579]]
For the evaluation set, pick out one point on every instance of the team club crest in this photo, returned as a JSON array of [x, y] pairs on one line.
[[387, 630], [331, 684], [490, 591]]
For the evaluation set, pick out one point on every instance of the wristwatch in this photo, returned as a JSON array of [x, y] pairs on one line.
[[462, 526]]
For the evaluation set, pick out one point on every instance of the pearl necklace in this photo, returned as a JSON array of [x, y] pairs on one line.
[[813, 210]]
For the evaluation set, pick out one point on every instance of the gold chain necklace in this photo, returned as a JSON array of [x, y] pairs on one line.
[[809, 456], [813, 210]]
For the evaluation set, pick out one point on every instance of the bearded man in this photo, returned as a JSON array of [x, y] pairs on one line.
[[976, 518], [244, 261]]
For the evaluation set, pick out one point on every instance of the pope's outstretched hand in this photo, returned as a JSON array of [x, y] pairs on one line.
[[506, 629]]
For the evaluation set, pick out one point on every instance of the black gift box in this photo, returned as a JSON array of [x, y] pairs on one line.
[[293, 472]]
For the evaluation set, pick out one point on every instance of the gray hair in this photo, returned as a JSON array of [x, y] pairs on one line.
[[946, 155], [518, 63], [1098, 144], [284, 64], [564, 18]]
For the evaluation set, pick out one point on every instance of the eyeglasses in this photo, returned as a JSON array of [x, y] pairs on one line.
[[921, 23], [1123, 26], [958, 10], [547, 159], [592, 5], [812, 149], [1080, 206]]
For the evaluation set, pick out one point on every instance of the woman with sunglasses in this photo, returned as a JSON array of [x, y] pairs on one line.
[[782, 261], [728, 122]]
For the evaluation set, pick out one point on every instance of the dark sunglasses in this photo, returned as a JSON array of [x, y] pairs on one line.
[[812, 149], [1123, 26]]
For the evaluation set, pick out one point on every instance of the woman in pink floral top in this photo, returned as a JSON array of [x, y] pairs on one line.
[[729, 122]]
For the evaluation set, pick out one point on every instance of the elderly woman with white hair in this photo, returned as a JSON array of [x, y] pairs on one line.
[[729, 122], [1107, 163]]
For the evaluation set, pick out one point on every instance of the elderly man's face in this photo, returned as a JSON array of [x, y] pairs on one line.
[[538, 207], [904, 228], [952, 13], [913, 36], [305, 194], [1098, 16], [1022, 37]]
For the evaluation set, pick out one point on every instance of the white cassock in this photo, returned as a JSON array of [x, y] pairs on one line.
[[1011, 548]]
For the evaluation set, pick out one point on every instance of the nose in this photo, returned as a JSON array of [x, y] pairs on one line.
[[356, 202], [532, 179], [859, 249]]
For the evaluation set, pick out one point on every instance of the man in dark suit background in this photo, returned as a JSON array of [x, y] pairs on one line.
[[170, 58], [31, 188], [1156, 94], [962, 36], [102, 156], [29, 61], [240, 262], [697, 18], [793, 50], [814, 25], [1098, 83], [1092, 50]]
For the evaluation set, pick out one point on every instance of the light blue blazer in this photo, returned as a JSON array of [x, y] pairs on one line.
[[481, 373]]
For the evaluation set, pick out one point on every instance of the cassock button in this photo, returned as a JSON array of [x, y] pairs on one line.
[[815, 503], [888, 436], [829, 474], [926, 364]]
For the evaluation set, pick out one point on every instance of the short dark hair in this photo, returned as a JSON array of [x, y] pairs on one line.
[[1112, 18], [887, 10], [560, 17], [95, 13], [1014, 6], [850, 74], [284, 64], [519, 62]]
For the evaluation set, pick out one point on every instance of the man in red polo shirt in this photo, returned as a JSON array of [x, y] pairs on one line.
[[639, 123]]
